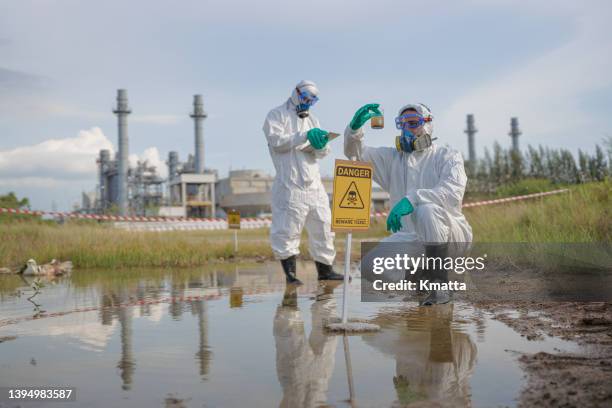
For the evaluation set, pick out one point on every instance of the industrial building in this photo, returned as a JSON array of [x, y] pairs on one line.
[[191, 189]]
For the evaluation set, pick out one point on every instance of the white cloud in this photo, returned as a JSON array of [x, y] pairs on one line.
[[68, 159], [151, 155]]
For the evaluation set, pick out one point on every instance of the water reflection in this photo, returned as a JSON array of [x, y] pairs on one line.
[[127, 364], [434, 357], [154, 337], [204, 353], [304, 366]]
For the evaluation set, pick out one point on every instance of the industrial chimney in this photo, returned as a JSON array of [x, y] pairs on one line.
[[103, 164], [173, 163], [122, 111], [471, 132], [198, 116], [514, 133]]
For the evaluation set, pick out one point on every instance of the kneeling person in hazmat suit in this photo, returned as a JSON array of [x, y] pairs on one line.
[[425, 182], [298, 197]]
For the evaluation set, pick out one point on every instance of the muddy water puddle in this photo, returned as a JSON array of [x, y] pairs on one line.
[[232, 336]]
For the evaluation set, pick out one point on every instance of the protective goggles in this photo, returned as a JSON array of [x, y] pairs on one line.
[[411, 121], [307, 97]]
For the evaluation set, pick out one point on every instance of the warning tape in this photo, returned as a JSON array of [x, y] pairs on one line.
[[117, 217], [500, 200], [191, 224]]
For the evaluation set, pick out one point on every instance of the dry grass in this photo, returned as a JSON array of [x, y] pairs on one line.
[[583, 215]]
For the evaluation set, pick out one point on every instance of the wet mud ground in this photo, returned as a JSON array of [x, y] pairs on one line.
[[232, 335]]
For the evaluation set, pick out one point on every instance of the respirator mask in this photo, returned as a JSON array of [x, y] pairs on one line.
[[414, 137], [306, 100]]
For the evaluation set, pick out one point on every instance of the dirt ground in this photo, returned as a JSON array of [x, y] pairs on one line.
[[581, 379]]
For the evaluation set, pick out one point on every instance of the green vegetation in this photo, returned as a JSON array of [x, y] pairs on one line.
[[582, 215], [496, 171], [10, 200]]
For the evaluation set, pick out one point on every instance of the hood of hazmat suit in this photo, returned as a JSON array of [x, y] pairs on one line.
[[304, 96], [298, 196], [433, 180]]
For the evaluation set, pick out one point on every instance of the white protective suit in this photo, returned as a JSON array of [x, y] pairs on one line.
[[298, 197], [434, 356], [433, 180]]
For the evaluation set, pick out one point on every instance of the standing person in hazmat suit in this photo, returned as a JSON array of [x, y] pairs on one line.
[[425, 182], [298, 197], [304, 365]]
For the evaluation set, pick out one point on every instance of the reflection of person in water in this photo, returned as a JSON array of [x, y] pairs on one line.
[[304, 367], [434, 360]]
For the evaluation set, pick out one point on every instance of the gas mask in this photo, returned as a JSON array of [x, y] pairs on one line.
[[306, 100], [414, 137]]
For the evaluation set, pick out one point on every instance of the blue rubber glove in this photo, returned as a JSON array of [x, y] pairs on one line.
[[394, 220], [363, 114], [317, 138]]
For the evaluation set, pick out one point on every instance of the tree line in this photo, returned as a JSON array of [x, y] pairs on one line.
[[505, 166]]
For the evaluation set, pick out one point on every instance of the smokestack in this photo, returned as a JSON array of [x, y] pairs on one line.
[[102, 168], [173, 162], [514, 133], [198, 116], [122, 111], [471, 132]]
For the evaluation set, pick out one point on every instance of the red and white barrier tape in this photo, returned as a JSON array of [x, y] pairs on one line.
[[191, 224], [118, 217], [499, 200]]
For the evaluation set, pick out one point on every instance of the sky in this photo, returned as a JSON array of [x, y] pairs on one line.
[[61, 63]]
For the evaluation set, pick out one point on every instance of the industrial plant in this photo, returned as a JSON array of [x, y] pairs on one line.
[[191, 189]]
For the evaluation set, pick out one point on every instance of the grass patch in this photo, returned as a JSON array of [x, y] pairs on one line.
[[582, 215]]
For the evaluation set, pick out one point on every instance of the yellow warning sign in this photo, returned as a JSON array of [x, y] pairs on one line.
[[233, 219], [352, 196]]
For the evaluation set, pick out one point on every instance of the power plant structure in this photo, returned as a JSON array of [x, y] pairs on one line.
[[514, 133], [123, 189], [191, 186], [191, 189], [471, 132], [122, 111]]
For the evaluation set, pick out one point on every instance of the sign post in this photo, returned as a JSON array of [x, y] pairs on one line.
[[233, 222], [351, 209]]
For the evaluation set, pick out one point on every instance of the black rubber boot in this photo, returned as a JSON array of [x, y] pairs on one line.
[[290, 267], [326, 272], [416, 278], [290, 297], [438, 275]]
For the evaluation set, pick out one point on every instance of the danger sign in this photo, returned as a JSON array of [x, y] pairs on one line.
[[352, 196], [233, 219]]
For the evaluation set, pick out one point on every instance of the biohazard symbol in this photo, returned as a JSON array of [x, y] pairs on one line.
[[352, 198]]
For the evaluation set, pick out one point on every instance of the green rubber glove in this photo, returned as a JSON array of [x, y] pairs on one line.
[[363, 114], [394, 220], [317, 138]]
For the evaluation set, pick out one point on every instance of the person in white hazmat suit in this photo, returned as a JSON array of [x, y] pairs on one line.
[[425, 182], [298, 197], [305, 366], [434, 356]]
